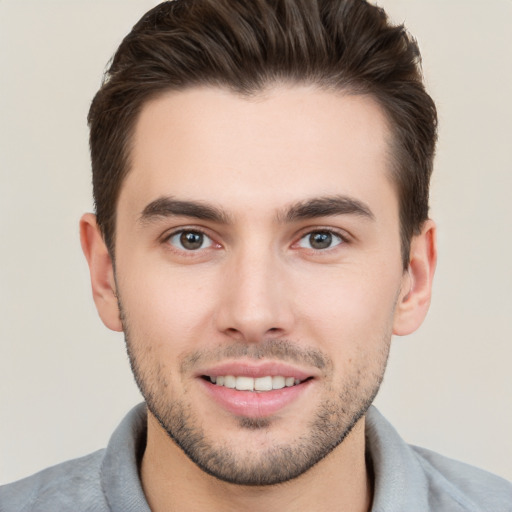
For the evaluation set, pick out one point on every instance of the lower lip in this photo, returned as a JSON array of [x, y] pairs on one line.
[[251, 404]]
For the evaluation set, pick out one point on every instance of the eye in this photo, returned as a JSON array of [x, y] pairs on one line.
[[320, 240], [190, 240]]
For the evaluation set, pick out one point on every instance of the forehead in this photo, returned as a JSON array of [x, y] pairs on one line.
[[278, 146]]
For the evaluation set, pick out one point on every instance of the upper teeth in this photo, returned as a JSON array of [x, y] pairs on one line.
[[254, 384]]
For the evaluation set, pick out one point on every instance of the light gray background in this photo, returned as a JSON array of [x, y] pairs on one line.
[[65, 382]]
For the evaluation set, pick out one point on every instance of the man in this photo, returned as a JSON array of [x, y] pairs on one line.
[[261, 174]]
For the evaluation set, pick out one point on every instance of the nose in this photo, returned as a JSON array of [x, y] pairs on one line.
[[255, 300]]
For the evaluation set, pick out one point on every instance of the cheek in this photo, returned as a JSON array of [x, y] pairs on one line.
[[166, 307], [351, 311]]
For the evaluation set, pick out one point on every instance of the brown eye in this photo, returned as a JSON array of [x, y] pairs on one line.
[[320, 240], [190, 240]]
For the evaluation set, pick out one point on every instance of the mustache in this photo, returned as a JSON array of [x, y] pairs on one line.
[[283, 350]]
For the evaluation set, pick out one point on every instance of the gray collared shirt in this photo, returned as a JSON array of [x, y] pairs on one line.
[[407, 478]]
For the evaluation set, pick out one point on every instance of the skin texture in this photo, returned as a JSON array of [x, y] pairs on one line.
[[233, 174]]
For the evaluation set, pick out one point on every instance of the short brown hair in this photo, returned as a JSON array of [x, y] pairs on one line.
[[247, 45]]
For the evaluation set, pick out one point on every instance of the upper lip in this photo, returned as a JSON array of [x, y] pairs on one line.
[[255, 370]]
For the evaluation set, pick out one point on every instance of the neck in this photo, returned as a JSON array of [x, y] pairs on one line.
[[172, 482]]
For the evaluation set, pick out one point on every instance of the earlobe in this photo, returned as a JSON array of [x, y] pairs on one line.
[[414, 299], [101, 272]]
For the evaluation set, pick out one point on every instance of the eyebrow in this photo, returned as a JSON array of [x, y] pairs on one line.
[[170, 207], [325, 207], [308, 209]]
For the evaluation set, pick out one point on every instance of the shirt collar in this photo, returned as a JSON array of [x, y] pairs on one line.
[[400, 483], [120, 479]]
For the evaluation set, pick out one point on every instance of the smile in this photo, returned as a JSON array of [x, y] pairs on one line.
[[256, 389], [257, 384]]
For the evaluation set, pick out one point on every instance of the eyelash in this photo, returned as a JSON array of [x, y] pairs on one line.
[[168, 238], [343, 239]]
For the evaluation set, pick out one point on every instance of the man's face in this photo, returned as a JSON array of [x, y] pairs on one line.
[[258, 246]]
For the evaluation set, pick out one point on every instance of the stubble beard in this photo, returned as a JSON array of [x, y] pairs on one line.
[[333, 421]]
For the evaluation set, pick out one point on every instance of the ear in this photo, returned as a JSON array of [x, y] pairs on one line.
[[102, 272], [414, 298]]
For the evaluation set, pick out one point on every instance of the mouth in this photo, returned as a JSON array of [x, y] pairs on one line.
[[255, 384], [250, 390]]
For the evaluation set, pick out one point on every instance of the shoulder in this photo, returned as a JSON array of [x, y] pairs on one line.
[[74, 485], [409, 478], [465, 484], [90, 483]]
